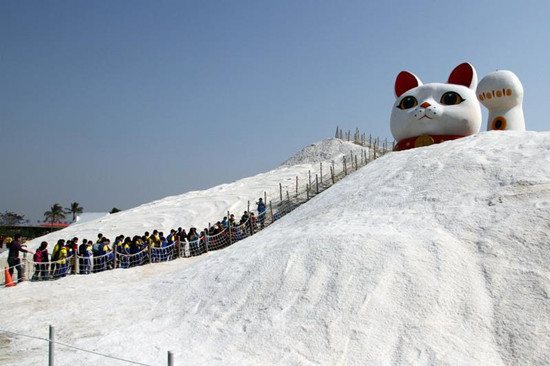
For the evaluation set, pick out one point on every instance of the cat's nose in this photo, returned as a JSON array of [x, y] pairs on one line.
[[425, 105]]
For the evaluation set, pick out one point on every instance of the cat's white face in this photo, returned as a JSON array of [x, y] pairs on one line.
[[436, 108]]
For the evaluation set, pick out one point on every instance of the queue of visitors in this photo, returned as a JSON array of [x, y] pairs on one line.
[[91, 256]]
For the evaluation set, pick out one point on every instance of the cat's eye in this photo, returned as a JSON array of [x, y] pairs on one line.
[[451, 98], [407, 103]]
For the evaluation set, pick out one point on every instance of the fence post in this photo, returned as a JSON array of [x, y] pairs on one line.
[[356, 166], [114, 256], [281, 191], [170, 358], [25, 268], [321, 172], [178, 245], [229, 229], [271, 210], [345, 167], [51, 347], [296, 187], [309, 177], [250, 223], [307, 191], [150, 252], [332, 174], [317, 182]]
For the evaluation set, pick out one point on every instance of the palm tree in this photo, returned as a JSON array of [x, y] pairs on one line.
[[75, 209], [55, 214]]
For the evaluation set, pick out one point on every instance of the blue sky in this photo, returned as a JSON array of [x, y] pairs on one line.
[[118, 103]]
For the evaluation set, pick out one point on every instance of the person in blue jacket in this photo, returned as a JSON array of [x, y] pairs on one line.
[[101, 256], [85, 257]]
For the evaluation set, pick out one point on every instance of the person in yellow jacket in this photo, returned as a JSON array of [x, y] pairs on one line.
[[59, 260], [55, 266]]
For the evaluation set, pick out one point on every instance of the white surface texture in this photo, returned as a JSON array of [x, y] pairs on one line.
[[431, 256]]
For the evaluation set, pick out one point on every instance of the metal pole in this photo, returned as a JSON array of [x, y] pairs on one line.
[[51, 346], [170, 358]]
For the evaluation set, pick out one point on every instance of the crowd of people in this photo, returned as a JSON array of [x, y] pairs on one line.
[[89, 256]]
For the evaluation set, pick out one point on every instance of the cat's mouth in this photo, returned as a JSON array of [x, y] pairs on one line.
[[425, 116]]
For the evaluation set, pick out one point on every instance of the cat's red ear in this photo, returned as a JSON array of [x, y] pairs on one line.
[[464, 74], [405, 81]]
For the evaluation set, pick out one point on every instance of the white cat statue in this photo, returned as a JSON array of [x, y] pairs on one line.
[[501, 93], [432, 113]]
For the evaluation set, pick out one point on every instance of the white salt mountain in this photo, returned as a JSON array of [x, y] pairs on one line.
[[430, 256]]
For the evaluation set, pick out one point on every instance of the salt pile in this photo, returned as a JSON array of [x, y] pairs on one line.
[[431, 256]]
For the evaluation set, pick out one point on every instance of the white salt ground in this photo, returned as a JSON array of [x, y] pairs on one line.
[[432, 256]]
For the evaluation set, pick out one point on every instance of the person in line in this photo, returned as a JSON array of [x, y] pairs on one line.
[[261, 212], [73, 251], [54, 268], [40, 260], [13, 257], [59, 265], [123, 252], [85, 253], [193, 239], [102, 256]]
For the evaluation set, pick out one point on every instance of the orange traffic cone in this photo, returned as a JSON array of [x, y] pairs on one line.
[[9, 281]]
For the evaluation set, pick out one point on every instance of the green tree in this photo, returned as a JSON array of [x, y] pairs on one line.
[[75, 209], [55, 214], [9, 218]]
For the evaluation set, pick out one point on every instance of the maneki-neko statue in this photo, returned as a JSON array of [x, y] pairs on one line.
[[501, 93], [426, 114]]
